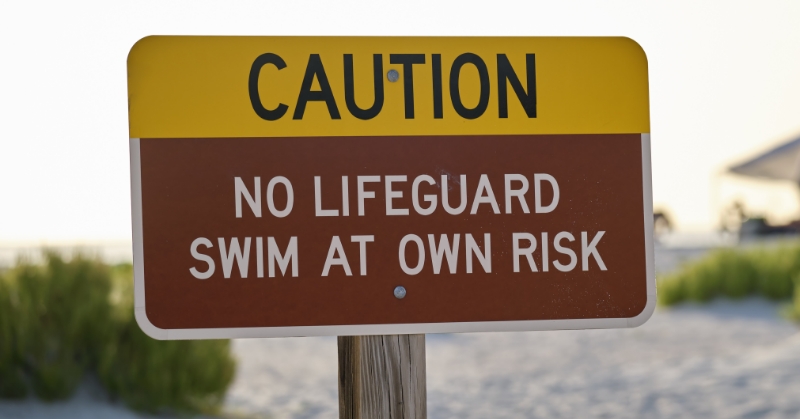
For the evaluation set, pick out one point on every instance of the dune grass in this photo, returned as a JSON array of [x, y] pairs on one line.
[[61, 320], [792, 311], [771, 272]]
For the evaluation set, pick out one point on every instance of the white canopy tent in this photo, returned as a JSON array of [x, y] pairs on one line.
[[780, 163]]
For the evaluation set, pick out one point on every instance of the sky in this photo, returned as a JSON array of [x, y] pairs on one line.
[[724, 86]]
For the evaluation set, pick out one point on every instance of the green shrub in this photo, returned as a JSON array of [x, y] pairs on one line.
[[153, 375], [59, 310], [735, 273], [776, 270], [792, 311], [62, 319], [12, 384]]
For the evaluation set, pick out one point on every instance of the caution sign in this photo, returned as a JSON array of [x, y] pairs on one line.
[[296, 186]]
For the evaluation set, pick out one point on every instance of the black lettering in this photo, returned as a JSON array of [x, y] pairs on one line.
[[255, 98], [455, 94], [408, 60], [349, 88], [325, 94], [506, 73], [436, 64]]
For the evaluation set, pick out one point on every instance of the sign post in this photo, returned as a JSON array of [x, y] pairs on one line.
[[382, 188], [382, 377]]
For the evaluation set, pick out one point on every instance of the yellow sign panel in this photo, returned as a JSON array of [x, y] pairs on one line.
[[203, 87]]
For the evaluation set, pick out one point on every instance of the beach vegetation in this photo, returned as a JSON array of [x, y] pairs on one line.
[[769, 271], [61, 320]]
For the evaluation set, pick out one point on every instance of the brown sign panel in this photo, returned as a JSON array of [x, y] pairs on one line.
[[248, 235]]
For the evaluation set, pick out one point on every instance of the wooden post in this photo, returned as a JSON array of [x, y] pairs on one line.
[[382, 377]]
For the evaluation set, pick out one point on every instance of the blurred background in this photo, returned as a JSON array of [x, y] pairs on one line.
[[725, 120]]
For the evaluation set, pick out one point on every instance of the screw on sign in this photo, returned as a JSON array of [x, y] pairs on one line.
[[281, 188]]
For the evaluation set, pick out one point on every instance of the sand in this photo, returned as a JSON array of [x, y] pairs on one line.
[[722, 360]]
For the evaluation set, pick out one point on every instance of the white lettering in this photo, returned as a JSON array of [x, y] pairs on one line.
[[573, 259], [420, 251], [427, 198], [345, 198], [240, 190], [203, 258], [444, 249], [484, 258], [362, 247], [391, 194], [362, 194], [591, 250], [289, 196], [318, 200], [336, 256], [537, 180], [283, 260], [484, 187], [259, 257], [235, 253], [445, 201], [545, 259], [527, 252], [519, 193]]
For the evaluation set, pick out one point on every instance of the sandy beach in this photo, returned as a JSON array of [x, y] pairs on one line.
[[727, 359], [724, 360]]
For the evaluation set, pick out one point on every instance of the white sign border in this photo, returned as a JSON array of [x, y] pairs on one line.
[[383, 329]]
